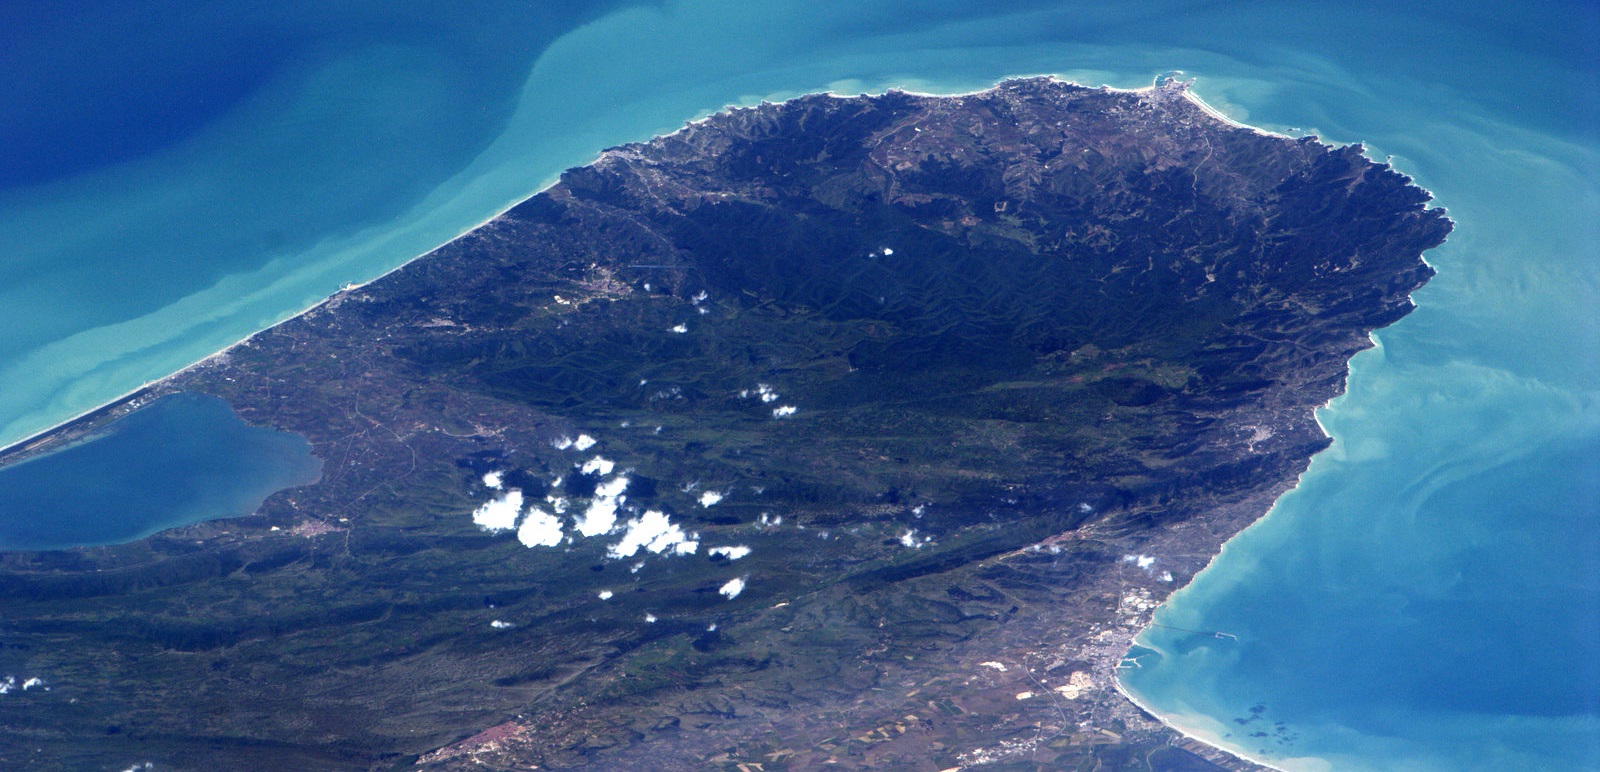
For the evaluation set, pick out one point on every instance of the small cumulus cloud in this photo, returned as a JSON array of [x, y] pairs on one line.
[[539, 529], [1142, 561], [601, 516], [598, 464], [655, 532], [499, 513], [731, 553]]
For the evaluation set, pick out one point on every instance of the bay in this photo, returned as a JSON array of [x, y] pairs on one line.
[[181, 459]]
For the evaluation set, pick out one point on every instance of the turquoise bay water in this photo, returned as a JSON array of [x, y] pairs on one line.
[[181, 459], [1425, 600]]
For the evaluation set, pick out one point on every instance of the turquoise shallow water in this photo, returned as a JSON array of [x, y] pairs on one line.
[[1425, 600]]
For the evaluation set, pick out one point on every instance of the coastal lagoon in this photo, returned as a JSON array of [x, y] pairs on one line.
[[182, 185], [181, 459]]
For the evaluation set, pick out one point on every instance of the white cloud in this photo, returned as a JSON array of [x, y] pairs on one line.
[[604, 595], [599, 464], [682, 328], [500, 513], [494, 479], [539, 529], [7, 685], [1000, 666], [733, 588], [733, 553], [561, 443], [909, 539], [1142, 561], [710, 498], [584, 442], [611, 488], [784, 412], [601, 516], [650, 618], [655, 532], [499, 625]]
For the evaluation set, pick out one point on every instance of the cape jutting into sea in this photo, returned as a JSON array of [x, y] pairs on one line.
[[187, 173]]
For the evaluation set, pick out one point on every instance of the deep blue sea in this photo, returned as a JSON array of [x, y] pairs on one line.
[[176, 175]]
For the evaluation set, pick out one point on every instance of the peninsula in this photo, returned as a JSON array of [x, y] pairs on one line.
[[863, 431]]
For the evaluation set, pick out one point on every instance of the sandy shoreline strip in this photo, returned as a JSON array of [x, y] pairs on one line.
[[12, 447], [1186, 92], [1179, 730], [344, 289]]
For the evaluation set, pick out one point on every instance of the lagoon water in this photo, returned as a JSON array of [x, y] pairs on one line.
[[181, 459], [188, 173]]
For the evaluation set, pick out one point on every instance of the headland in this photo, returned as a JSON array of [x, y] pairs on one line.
[[860, 430]]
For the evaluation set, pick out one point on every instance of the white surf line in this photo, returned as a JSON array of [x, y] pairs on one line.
[[350, 287], [102, 406], [1188, 93], [344, 289], [1174, 727]]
